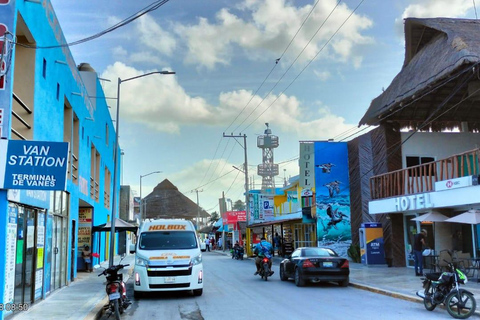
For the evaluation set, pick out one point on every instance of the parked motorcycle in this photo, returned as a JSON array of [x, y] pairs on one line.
[[116, 289], [444, 288]]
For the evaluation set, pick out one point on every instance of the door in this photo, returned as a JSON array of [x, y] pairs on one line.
[[410, 231], [73, 256], [25, 256], [58, 249]]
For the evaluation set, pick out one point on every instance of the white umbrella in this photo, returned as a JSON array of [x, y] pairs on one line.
[[432, 216], [471, 217]]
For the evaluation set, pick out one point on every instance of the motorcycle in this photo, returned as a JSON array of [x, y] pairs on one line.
[[265, 271], [237, 253], [444, 288], [116, 289]]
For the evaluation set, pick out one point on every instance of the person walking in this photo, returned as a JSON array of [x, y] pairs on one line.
[[207, 244], [418, 245]]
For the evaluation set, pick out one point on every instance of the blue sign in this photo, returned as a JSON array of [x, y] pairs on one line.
[[34, 165]]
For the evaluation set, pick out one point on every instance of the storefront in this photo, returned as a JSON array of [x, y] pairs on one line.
[[442, 234]]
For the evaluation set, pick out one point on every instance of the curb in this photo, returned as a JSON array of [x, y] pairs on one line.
[[386, 292]]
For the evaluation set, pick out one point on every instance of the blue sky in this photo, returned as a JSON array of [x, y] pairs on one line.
[[224, 53]]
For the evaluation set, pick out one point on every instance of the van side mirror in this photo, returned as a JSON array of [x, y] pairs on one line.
[[132, 248]]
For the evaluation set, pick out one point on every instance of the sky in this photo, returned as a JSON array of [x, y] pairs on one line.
[[308, 68]]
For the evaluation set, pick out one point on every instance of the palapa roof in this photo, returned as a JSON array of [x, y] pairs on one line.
[[166, 202], [438, 86]]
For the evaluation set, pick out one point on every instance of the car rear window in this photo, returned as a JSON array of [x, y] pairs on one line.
[[318, 252], [163, 240]]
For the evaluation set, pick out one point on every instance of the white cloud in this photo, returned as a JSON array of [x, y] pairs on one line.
[[433, 9], [154, 37], [270, 27], [161, 103], [322, 75]]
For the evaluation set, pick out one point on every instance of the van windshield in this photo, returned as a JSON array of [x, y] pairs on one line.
[[163, 240]]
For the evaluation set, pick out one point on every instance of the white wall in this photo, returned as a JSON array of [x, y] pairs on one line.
[[438, 144]]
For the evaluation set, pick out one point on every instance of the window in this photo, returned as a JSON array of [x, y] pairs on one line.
[[412, 161], [44, 70], [163, 240]]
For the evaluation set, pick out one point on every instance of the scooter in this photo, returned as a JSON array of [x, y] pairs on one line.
[[444, 288], [116, 289]]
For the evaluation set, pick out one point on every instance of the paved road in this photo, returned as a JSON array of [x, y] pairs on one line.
[[232, 292]]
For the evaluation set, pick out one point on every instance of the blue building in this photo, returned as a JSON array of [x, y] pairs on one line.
[[46, 98]]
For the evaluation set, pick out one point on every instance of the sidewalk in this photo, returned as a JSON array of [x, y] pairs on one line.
[[85, 298]]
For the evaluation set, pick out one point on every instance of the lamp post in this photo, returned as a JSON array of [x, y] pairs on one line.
[[141, 207], [115, 162]]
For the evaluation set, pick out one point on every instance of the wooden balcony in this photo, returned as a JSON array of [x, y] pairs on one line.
[[422, 178]]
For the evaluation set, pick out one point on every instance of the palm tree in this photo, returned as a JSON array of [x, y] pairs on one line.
[[213, 218]]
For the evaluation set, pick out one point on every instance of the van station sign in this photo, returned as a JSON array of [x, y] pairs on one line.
[[33, 165]]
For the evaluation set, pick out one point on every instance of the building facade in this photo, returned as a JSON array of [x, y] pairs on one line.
[[45, 97]]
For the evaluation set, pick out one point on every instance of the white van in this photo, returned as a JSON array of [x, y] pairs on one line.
[[167, 257]]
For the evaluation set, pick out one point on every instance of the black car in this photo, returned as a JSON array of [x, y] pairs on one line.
[[315, 264]]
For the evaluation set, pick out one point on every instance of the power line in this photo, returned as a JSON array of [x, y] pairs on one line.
[[151, 7]]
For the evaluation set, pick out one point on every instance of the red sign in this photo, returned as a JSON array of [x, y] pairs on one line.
[[229, 217]]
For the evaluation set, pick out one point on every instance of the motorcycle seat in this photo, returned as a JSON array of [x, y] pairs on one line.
[[434, 276]]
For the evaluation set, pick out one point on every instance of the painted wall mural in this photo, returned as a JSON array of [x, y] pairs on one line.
[[332, 188]]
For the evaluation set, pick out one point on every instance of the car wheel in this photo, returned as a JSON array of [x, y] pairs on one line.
[[299, 281], [343, 283], [283, 275]]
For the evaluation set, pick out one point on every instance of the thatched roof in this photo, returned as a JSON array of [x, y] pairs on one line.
[[437, 79], [165, 201]]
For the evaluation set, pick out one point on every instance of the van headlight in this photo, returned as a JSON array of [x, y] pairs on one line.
[[197, 260], [141, 262]]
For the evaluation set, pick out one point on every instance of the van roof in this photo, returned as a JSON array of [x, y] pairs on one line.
[[167, 224]]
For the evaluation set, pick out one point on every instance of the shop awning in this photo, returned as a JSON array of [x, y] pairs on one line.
[[120, 225]]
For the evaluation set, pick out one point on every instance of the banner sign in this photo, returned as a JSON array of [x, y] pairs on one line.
[[232, 217], [306, 162], [33, 165]]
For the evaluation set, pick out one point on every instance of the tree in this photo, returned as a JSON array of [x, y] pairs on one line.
[[213, 217], [239, 206]]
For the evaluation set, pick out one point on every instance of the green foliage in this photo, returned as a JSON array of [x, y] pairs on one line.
[[238, 206], [354, 253], [214, 217]]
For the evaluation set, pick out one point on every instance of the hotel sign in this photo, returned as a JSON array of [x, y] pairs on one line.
[[414, 202]]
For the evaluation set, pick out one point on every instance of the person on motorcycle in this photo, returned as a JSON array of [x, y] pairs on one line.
[[263, 249]]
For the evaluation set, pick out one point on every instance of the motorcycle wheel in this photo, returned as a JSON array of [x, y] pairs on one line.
[[266, 271], [116, 309], [460, 307], [428, 302]]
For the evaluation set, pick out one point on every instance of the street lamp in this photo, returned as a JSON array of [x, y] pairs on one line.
[[141, 207], [115, 161]]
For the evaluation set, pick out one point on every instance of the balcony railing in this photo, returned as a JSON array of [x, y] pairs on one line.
[[422, 178]]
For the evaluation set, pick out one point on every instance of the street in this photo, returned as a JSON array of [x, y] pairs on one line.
[[232, 292]]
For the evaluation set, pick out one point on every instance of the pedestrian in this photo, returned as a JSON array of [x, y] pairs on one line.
[[219, 246], [87, 258], [276, 241], [207, 244], [418, 246]]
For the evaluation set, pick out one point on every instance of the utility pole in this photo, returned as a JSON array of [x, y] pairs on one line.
[[198, 209], [247, 207]]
